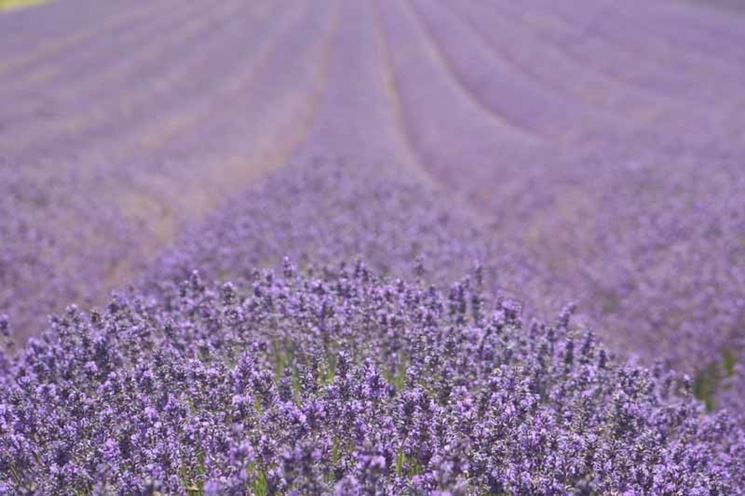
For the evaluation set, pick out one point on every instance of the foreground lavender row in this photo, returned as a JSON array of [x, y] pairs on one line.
[[348, 384]]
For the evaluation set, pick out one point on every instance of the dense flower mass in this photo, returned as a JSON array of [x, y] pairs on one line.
[[346, 384]]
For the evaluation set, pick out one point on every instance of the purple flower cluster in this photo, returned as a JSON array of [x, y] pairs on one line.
[[346, 384]]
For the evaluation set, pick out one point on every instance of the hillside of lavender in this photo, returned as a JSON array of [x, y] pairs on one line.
[[385, 247]]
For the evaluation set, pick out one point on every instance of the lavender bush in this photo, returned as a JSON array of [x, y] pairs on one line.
[[346, 384]]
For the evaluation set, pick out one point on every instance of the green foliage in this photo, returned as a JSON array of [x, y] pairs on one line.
[[19, 4], [407, 465], [398, 378], [729, 359], [260, 486], [708, 381]]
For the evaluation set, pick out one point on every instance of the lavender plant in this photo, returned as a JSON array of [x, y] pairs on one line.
[[286, 383]]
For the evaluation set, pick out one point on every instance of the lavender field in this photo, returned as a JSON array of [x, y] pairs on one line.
[[296, 247]]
